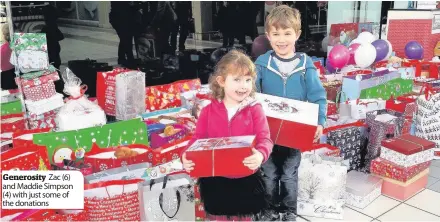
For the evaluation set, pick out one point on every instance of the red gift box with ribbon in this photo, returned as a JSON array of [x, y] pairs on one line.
[[104, 159], [221, 156], [402, 105]]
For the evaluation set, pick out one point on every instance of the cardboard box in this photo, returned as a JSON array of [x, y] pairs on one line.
[[221, 156], [288, 118]]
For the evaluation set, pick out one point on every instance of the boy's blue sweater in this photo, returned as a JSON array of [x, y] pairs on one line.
[[302, 84]]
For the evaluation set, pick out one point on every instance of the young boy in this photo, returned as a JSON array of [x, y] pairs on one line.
[[282, 72]]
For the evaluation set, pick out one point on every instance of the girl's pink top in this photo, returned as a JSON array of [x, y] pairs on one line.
[[5, 56]]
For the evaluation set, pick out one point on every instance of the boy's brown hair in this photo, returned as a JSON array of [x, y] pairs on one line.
[[233, 63], [284, 17]]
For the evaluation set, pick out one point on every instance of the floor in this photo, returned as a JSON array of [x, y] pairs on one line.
[[101, 44], [424, 206]]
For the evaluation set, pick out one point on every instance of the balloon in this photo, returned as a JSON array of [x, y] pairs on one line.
[[324, 44], [390, 50], [356, 41], [381, 49], [366, 37], [352, 49], [260, 46], [329, 67], [365, 55], [338, 56], [413, 50]]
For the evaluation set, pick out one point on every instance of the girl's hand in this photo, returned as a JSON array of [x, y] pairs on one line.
[[253, 161], [318, 133], [188, 165]]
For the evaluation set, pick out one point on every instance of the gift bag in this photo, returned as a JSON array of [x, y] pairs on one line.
[[12, 107], [427, 117], [23, 138], [115, 200], [29, 52], [169, 198], [321, 187], [128, 172], [332, 89], [78, 112], [12, 123], [29, 158]]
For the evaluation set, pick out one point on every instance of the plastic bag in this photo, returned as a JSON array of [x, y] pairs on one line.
[[78, 112]]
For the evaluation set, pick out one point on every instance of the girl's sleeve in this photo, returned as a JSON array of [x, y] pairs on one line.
[[201, 128], [261, 128]]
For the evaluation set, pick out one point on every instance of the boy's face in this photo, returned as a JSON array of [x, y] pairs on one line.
[[283, 41]]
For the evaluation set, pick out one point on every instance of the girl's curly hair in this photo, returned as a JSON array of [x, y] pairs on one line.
[[234, 62]]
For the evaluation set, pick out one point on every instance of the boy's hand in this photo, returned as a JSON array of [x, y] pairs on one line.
[[254, 161], [318, 133], [188, 165]]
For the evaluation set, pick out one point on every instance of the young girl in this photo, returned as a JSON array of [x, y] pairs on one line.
[[234, 112]]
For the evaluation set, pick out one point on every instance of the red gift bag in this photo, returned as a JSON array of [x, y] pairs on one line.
[[29, 158], [12, 123], [104, 159], [49, 215], [407, 108], [23, 138], [115, 200]]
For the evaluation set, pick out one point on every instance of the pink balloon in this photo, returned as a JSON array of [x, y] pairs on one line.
[[338, 56], [352, 49]]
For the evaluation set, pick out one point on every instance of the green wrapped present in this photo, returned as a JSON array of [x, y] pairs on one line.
[[395, 88]]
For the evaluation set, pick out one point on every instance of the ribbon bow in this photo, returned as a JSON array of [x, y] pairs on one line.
[[428, 90], [82, 91]]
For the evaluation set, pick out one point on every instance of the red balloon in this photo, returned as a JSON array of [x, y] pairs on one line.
[[352, 49], [338, 56]]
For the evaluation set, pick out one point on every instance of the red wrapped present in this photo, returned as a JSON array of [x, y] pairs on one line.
[[23, 138], [39, 88], [221, 156], [188, 85], [170, 151], [12, 122], [162, 97], [388, 169], [287, 117], [405, 107], [109, 158], [45, 120], [407, 150], [29, 158], [332, 109], [424, 69]]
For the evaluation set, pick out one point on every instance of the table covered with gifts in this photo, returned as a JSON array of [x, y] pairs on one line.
[[381, 135]]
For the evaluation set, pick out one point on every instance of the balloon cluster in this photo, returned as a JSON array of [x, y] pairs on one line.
[[362, 52]]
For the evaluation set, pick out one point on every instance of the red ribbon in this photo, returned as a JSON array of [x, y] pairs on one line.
[[428, 90], [82, 91]]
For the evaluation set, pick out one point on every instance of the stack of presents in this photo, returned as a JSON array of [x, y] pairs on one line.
[[382, 134]]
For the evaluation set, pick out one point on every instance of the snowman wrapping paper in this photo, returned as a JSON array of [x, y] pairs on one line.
[[74, 144]]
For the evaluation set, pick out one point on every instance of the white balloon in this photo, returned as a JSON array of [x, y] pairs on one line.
[[366, 37], [390, 50], [356, 41], [365, 55], [324, 44]]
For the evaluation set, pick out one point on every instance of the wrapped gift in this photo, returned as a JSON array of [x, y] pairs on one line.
[[29, 158], [23, 138], [115, 200], [120, 93], [109, 158], [351, 141], [49, 215], [12, 122], [163, 170], [332, 89], [129, 172], [45, 105], [78, 112], [10, 95], [221, 156], [80, 141], [321, 188], [29, 52], [367, 86], [391, 170], [287, 117], [426, 69], [404, 190], [12, 107], [362, 189], [407, 108], [170, 198], [427, 118], [39, 88], [33, 75], [170, 151], [332, 108], [188, 85], [407, 150], [41, 121], [162, 97], [167, 135]]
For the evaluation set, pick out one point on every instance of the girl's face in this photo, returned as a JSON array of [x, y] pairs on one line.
[[237, 87]]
